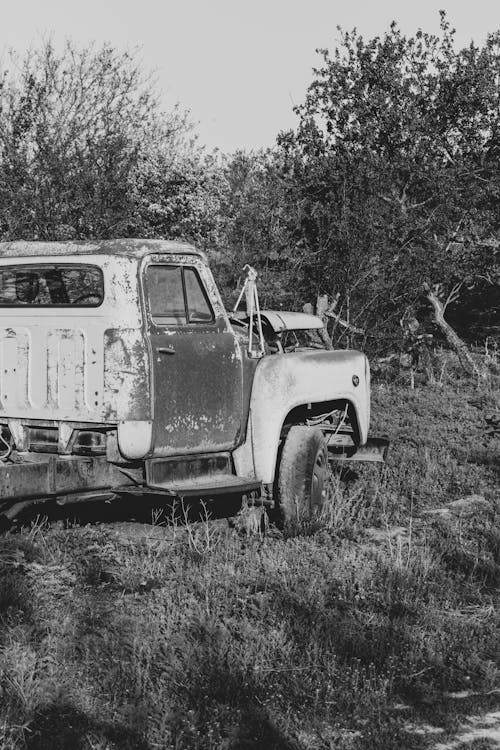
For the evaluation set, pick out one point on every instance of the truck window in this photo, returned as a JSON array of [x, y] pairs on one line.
[[197, 304], [51, 285], [176, 296], [166, 295]]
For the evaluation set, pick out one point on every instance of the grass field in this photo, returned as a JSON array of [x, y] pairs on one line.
[[375, 627]]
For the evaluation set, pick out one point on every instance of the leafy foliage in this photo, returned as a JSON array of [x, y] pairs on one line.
[[390, 180], [395, 165], [85, 151]]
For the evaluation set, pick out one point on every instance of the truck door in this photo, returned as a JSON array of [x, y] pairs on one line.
[[197, 369]]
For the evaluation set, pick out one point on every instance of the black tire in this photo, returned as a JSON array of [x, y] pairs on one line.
[[302, 475]]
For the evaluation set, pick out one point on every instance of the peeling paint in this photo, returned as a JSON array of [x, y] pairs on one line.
[[284, 381], [52, 360]]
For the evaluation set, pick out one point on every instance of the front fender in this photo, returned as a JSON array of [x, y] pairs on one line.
[[285, 381]]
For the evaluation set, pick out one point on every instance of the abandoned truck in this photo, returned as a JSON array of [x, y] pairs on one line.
[[121, 372]]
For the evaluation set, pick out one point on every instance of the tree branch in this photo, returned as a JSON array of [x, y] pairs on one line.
[[341, 322], [452, 338]]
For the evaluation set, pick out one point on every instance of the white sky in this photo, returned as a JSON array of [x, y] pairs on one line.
[[237, 65]]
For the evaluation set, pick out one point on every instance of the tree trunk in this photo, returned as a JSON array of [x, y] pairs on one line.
[[322, 332], [321, 308], [452, 338], [344, 324]]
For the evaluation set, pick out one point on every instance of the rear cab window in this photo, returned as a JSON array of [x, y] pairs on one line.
[[51, 285], [176, 296]]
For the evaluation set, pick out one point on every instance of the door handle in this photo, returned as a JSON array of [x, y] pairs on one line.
[[165, 350]]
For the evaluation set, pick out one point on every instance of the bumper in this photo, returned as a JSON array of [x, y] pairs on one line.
[[57, 476], [374, 450]]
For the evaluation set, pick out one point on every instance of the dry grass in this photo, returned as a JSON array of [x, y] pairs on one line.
[[355, 633]]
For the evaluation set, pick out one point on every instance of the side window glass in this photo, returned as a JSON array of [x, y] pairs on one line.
[[51, 285], [199, 310], [166, 295]]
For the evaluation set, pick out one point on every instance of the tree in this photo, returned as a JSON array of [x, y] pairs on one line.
[[82, 138], [177, 190], [393, 168], [254, 226]]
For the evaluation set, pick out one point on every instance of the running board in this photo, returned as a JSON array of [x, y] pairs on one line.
[[374, 450], [208, 486], [197, 476]]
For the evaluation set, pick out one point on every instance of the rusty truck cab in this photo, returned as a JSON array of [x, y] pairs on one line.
[[117, 349]]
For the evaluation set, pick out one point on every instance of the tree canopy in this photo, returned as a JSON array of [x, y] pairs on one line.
[[394, 165], [86, 151], [390, 180]]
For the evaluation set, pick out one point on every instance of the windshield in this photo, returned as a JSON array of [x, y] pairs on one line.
[[51, 285]]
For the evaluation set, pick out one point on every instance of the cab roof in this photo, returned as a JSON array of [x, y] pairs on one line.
[[132, 248]]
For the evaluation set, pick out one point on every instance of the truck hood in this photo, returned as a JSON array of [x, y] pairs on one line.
[[281, 320]]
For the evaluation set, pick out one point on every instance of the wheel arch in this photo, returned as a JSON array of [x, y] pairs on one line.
[[285, 384], [260, 453]]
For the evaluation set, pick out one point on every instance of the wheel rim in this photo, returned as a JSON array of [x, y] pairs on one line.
[[318, 480]]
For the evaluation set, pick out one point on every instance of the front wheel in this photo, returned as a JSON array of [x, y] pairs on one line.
[[302, 475]]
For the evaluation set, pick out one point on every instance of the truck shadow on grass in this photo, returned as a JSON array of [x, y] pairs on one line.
[[144, 509], [141, 509]]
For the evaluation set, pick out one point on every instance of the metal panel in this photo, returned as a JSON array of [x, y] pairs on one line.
[[198, 476], [281, 320], [132, 248], [173, 470], [198, 379], [49, 371], [77, 364], [284, 381], [55, 475], [198, 392]]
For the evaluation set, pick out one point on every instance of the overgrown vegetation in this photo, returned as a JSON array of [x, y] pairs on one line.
[[86, 152], [389, 180], [372, 624]]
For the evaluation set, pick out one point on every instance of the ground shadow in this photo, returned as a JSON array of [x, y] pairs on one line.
[[257, 730], [146, 509], [61, 726]]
